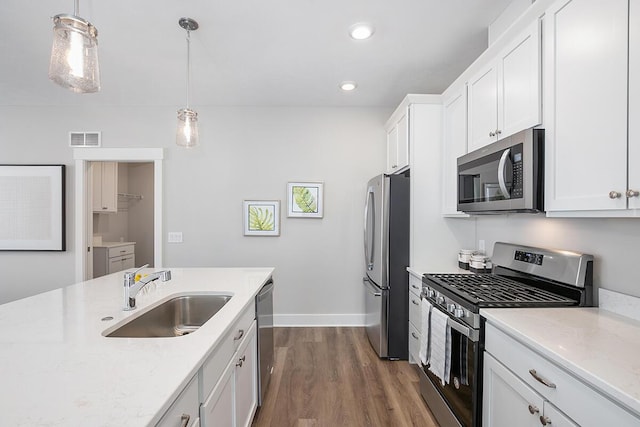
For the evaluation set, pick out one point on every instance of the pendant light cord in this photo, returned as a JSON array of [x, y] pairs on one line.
[[76, 7], [188, 64]]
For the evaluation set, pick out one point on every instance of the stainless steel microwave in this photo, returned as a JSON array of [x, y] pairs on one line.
[[505, 176]]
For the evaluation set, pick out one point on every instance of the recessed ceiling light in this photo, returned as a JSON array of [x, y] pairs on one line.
[[361, 31], [348, 86]]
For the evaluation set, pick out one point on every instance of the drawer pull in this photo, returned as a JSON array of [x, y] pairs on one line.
[[533, 409], [545, 421], [184, 420], [413, 334], [540, 379], [240, 335], [415, 302], [415, 287]]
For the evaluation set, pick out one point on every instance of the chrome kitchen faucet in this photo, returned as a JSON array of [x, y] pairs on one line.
[[131, 287]]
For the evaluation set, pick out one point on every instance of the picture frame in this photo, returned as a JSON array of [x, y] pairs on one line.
[[261, 217], [305, 199], [33, 214]]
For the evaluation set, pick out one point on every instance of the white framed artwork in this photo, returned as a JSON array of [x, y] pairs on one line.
[[261, 217], [305, 199]]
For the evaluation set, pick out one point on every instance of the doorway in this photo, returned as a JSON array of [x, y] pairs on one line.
[[134, 160]]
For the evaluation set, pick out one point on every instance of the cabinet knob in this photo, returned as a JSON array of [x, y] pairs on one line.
[[184, 420], [545, 421], [498, 132], [394, 166], [240, 335], [241, 361], [413, 334], [632, 193], [492, 134], [415, 302], [533, 409], [614, 195]]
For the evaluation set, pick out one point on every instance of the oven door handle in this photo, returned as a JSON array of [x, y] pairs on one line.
[[501, 171], [470, 333]]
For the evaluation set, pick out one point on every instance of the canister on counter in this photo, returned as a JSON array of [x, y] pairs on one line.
[[464, 257], [479, 263]]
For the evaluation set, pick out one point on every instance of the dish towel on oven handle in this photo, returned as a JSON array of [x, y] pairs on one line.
[[440, 346], [424, 331]]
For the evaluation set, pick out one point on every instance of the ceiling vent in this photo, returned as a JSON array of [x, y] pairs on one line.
[[85, 139]]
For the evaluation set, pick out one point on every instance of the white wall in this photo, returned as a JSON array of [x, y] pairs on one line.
[[246, 153], [140, 212]]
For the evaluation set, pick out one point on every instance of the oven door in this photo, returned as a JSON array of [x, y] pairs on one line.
[[458, 399]]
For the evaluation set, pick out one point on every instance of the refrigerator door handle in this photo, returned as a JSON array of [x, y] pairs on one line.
[[371, 288], [369, 227]]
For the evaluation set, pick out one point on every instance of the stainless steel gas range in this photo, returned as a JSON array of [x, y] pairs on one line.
[[522, 276]]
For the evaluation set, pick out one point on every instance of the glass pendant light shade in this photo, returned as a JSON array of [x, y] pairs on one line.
[[74, 55], [187, 134]]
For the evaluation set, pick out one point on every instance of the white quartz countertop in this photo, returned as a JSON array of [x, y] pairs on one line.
[[597, 346], [113, 244], [57, 369]]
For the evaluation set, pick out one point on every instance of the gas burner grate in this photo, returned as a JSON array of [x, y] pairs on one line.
[[489, 290]]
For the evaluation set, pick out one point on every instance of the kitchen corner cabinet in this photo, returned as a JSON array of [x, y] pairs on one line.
[[591, 70], [105, 186], [398, 145], [230, 378], [523, 388], [415, 316], [504, 96], [454, 146]]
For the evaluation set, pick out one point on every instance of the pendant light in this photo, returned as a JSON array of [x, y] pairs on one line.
[[74, 54], [187, 134]]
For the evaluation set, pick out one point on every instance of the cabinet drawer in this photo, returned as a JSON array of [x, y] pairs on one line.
[[218, 360], [415, 285], [186, 404], [414, 344], [415, 311], [121, 250], [575, 398]]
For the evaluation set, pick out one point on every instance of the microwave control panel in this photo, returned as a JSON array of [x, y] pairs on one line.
[[518, 172]]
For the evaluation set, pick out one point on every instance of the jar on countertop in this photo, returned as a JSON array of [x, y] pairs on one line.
[[480, 263], [464, 258]]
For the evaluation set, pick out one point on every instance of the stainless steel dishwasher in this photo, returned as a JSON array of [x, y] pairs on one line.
[[264, 316]]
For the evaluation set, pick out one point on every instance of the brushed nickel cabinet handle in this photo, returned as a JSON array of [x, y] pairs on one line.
[[492, 134], [415, 302], [541, 379], [545, 421], [241, 360], [414, 286], [632, 193], [413, 334], [184, 420], [240, 335], [533, 409], [498, 132], [614, 195]]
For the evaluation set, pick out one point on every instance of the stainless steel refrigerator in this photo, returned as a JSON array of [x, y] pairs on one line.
[[386, 253]]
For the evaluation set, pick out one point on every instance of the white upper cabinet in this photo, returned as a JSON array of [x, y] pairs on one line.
[[634, 104], [504, 96], [105, 186], [398, 144], [454, 146], [585, 73]]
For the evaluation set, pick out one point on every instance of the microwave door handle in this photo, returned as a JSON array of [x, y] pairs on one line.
[[501, 171]]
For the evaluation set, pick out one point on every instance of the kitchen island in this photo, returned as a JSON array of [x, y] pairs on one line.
[[58, 369]]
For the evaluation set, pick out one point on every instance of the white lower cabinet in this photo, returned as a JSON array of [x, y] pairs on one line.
[[508, 401], [229, 378], [415, 315], [522, 388], [184, 410]]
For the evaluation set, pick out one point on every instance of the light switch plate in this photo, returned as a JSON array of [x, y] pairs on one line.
[[175, 237], [481, 247]]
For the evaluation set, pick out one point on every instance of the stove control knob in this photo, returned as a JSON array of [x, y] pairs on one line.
[[451, 308], [440, 299], [458, 312], [431, 293]]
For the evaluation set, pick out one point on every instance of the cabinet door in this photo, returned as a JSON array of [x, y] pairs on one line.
[[217, 410], [110, 186], [634, 103], [506, 400], [585, 71], [519, 84], [246, 380], [96, 186], [483, 108], [392, 150], [454, 146], [553, 417]]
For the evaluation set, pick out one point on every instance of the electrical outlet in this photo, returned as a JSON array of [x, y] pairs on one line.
[[174, 237], [481, 246]]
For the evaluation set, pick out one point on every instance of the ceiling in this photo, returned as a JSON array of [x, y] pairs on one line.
[[249, 52]]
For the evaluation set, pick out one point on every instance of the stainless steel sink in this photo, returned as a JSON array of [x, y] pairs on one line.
[[178, 316]]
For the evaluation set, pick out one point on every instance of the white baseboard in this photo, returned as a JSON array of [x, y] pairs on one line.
[[317, 320]]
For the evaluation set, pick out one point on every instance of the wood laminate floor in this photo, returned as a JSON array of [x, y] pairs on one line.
[[332, 377]]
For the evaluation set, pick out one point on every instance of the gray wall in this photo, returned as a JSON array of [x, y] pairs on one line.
[[246, 153]]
